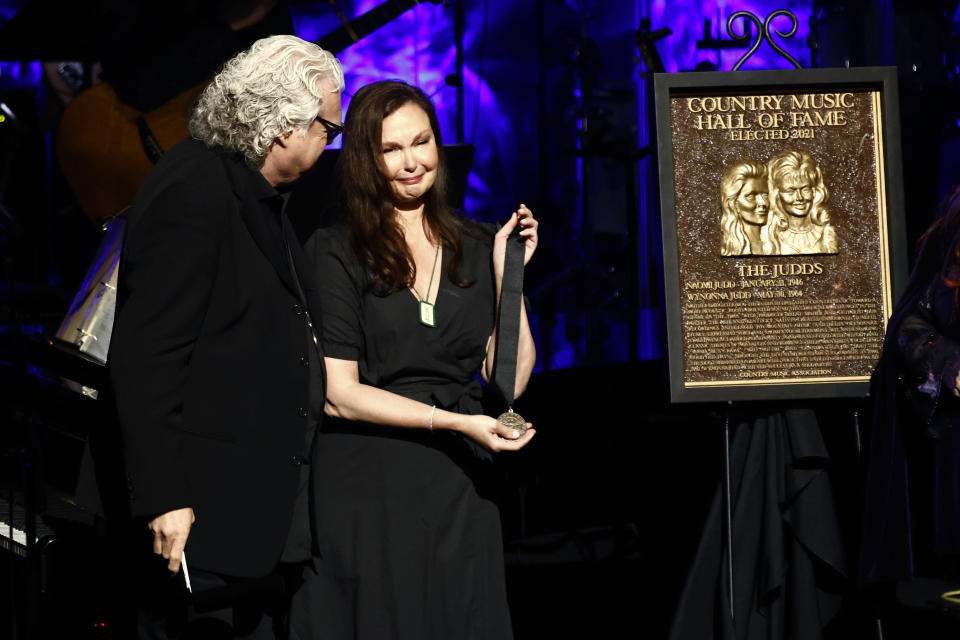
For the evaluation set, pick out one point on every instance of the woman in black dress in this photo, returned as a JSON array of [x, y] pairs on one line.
[[911, 522], [409, 544]]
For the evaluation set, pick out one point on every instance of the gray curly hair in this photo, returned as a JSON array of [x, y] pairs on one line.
[[275, 87]]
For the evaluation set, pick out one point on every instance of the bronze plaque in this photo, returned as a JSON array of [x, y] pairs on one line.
[[779, 227]]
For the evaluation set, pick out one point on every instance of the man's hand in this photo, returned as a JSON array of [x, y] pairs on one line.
[[170, 532]]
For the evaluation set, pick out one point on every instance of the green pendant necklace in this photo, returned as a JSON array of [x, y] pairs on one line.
[[427, 315]]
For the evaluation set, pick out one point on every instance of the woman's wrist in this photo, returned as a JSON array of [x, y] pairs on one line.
[[448, 420]]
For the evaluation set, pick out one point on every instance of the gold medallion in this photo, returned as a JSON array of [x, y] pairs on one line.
[[513, 421]]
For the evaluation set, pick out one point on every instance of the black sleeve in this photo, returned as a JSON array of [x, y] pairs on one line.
[[339, 280], [930, 362], [167, 276]]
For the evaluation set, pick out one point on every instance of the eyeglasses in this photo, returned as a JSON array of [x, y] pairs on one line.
[[333, 129]]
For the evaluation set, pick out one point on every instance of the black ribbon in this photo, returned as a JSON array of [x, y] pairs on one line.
[[508, 331]]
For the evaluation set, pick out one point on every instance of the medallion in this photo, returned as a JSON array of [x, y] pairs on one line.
[[513, 421]]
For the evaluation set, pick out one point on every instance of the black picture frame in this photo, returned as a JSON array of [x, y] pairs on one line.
[[672, 85]]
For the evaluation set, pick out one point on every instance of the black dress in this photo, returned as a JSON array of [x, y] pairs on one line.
[[929, 341], [408, 540]]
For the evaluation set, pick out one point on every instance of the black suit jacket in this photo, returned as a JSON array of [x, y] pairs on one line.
[[208, 358]]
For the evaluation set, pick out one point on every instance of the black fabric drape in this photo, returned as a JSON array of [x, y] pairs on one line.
[[788, 556]]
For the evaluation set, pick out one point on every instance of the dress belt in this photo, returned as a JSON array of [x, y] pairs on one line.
[[451, 397]]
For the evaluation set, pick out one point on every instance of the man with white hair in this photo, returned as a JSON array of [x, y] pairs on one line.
[[217, 379]]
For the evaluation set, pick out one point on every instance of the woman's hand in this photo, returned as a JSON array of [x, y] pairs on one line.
[[528, 230], [493, 435]]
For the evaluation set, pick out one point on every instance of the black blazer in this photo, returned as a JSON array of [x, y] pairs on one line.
[[208, 358]]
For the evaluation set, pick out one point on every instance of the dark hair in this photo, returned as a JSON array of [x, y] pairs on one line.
[[374, 231], [945, 232]]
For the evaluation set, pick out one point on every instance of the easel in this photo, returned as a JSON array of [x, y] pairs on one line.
[[763, 32]]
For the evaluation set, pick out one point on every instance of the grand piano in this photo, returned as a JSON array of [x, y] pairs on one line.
[[45, 539]]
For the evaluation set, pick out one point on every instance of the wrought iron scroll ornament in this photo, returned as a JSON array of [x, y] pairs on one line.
[[763, 32]]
